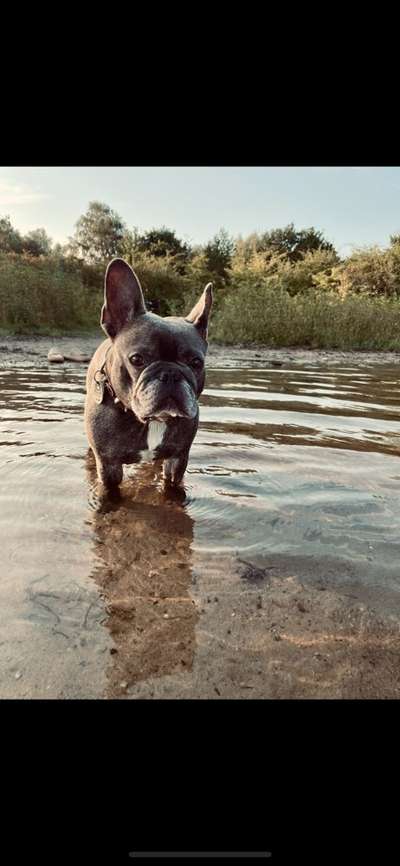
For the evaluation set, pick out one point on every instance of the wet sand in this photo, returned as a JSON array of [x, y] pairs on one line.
[[230, 355], [286, 640]]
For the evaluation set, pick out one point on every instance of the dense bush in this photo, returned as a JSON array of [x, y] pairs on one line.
[[280, 273], [162, 283], [371, 271], [39, 294], [281, 287]]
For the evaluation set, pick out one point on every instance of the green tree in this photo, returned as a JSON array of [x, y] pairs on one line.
[[218, 253], [293, 243], [10, 238], [99, 234], [162, 242], [37, 243]]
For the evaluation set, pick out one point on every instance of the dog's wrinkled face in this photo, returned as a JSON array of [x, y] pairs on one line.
[[162, 366], [157, 362]]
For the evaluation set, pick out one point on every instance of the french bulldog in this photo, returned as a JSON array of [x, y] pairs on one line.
[[144, 381]]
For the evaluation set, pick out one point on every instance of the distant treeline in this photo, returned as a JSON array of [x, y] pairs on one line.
[[281, 287]]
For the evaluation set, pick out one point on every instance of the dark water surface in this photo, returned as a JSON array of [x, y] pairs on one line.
[[295, 466]]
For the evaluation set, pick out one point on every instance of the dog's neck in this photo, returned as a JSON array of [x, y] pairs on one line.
[[102, 378]]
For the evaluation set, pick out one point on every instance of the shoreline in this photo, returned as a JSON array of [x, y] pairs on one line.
[[304, 355], [230, 353]]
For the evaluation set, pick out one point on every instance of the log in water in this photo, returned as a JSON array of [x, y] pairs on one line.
[[56, 357]]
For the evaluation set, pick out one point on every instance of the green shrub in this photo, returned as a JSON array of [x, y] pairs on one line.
[[163, 286], [38, 293], [257, 313], [280, 272], [371, 271], [313, 301]]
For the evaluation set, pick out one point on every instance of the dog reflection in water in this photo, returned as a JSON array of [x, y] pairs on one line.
[[142, 540]]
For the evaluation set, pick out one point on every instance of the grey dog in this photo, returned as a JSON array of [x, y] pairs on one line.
[[144, 381]]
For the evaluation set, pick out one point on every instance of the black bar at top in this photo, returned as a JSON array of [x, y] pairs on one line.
[[200, 854]]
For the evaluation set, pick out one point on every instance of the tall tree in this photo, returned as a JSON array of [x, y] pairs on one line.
[[162, 242], [37, 243], [99, 234], [218, 253], [10, 238], [293, 243]]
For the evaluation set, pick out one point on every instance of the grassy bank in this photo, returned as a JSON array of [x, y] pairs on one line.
[[42, 295], [314, 320], [57, 296]]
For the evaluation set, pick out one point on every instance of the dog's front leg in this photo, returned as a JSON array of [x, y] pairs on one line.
[[174, 469], [109, 474]]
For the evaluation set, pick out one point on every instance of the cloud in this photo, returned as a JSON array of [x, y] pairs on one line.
[[18, 193]]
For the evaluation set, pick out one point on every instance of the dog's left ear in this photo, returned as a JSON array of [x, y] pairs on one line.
[[201, 311]]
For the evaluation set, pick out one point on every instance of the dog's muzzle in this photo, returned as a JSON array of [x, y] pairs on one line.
[[165, 389]]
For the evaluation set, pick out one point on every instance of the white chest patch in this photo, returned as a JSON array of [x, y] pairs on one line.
[[155, 436]]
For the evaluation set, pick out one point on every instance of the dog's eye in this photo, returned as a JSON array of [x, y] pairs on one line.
[[196, 363], [136, 360]]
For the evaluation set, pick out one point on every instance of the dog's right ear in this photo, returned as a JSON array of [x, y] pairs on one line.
[[201, 311], [123, 298]]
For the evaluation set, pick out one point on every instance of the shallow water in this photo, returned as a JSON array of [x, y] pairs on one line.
[[293, 467]]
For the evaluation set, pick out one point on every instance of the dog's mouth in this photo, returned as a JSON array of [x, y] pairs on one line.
[[160, 402], [169, 409]]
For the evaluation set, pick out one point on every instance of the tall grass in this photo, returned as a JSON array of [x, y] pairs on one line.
[[272, 317], [42, 294], [265, 302]]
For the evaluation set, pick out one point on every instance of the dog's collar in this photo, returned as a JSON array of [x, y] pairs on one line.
[[102, 382]]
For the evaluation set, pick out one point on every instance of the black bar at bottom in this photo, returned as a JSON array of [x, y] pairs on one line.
[[200, 854]]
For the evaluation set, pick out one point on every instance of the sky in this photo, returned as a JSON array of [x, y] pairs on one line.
[[353, 206]]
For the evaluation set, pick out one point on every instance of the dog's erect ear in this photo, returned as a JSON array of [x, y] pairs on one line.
[[123, 298], [201, 311]]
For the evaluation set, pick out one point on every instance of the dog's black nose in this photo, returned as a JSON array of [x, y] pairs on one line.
[[169, 377]]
